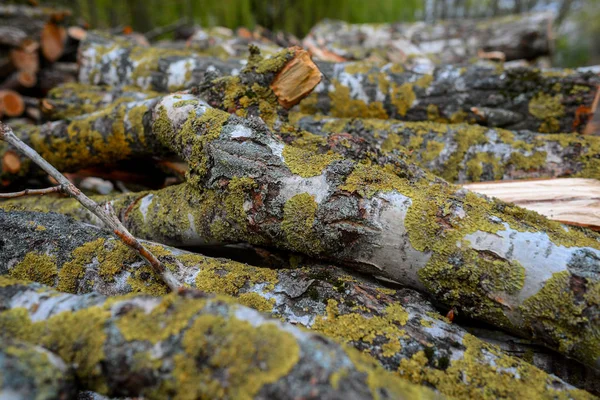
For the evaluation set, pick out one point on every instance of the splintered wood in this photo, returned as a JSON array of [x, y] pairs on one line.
[[572, 201], [296, 80]]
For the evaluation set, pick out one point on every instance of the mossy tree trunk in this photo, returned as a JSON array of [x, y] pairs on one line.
[[493, 261], [398, 327]]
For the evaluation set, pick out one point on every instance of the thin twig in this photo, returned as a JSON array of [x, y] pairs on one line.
[[27, 192], [105, 214]]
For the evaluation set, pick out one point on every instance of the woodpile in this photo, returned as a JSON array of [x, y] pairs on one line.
[[346, 215]]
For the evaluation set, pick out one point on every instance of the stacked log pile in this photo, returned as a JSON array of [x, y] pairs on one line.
[[318, 236]]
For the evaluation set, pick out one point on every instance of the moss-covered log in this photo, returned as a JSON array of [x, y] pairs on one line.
[[493, 261], [398, 327], [516, 37], [112, 134], [75, 99], [460, 152], [518, 98], [206, 347], [31, 372], [114, 62]]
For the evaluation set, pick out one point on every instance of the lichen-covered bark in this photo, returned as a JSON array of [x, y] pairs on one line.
[[206, 347], [460, 152], [75, 99], [517, 36], [224, 43], [519, 98], [115, 133], [494, 261], [32, 372], [115, 62], [398, 327]]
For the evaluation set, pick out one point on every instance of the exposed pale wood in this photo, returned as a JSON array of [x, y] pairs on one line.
[[23, 59], [296, 80], [573, 201], [11, 162]]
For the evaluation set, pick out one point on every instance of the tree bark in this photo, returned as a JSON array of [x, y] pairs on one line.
[[31, 372], [461, 153], [482, 256], [519, 98], [452, 41], [398, 327], [209, 347]]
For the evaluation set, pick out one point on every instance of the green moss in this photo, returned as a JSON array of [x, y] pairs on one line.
[[563, 318], [548, 109], [228, 277], [368, 180], [298, 219], [307, 163], [402, 97], [256, 301], [77, 337], [36, 267], [343, 105], [475, 166], [245, 358]]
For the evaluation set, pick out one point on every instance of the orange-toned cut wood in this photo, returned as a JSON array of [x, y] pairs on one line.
[[27, 79], [593, 126], [12, 103], [76, 33], [296, 80], [53, 39], [11, 162], [573, 201], [25, 60]]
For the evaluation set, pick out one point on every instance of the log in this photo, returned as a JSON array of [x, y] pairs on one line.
[[211, 348], [31, 372], [158, 69], [224, 43], [481, 256], [53, 40], [20, 80], [25, 59], [74, 99], [459, 153], [571, 201], [519, 98], [525, 36], [11, 103], [324, 298]]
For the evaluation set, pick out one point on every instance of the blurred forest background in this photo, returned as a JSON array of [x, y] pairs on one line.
[[577, 25]]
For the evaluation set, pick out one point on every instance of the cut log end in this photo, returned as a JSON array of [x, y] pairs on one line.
[[12, 103], [53, 41], [11, 162], [296, 80], [593, 126], [25, 60]]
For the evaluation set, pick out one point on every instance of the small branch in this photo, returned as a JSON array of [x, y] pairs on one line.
[[27, 192], [105, 214]]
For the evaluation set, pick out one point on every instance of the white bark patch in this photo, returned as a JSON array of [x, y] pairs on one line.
[[145, 205], [41, 306], [176, 74], [147, 304], [540, 257], [257, 319], [240, 131], [316, 186], [276, 149], [393, 252]]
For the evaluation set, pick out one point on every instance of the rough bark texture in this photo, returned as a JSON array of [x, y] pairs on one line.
[[491, 260], [460, 152], [398, 327], [519, 98], [208, 347], [222, 42], [31, 372], [75, 99], [517, 36], [115, 62]]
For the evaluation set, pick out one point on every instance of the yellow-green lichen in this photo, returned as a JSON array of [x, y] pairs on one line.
[[36, 267], [298, 220], [343, 105], [367, 180], [479, 162], [402, 97], [256, 301], [548, 109], [239, 358], [307, 163]]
